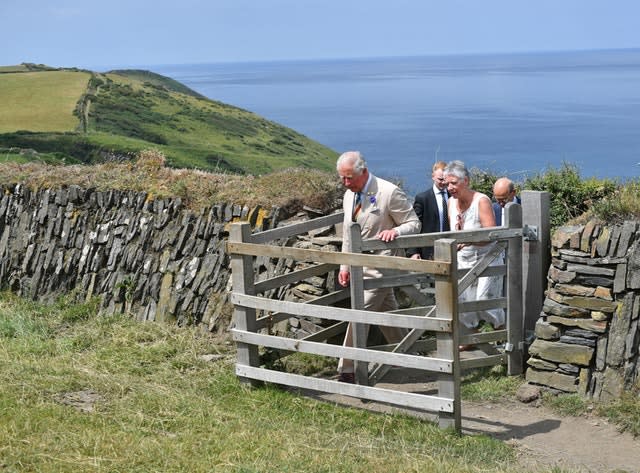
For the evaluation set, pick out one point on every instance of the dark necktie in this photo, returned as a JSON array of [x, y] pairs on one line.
[[444, 222], [357, 206]]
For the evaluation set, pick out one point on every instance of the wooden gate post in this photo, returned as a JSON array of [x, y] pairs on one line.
[[358, 331], [447, 342], [515, 321], [536, 252], [243, 283]]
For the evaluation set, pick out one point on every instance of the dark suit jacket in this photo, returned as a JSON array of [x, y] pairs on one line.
[[497, 211], [427, 211]]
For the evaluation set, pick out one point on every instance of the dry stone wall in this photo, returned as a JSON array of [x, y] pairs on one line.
[[151, 257], [160, 261], [587, 335]]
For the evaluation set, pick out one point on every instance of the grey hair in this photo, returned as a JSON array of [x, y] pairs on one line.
[[458, 169], [353, 158]]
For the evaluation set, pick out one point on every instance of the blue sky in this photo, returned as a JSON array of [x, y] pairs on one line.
[[127, 33]]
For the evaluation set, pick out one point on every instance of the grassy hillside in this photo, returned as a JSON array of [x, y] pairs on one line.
[[75, 116]]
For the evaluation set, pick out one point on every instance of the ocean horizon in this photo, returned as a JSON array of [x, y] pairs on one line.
[[511, 114]]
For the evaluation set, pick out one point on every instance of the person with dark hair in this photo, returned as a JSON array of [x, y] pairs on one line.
[[431, 209], [383, 211]]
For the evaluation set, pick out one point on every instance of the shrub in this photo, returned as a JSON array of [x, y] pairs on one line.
[[482, 181], [623, 204], [571, 196], [151, 160]]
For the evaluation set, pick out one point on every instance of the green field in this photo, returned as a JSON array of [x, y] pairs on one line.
[[16, 68], [82, 117], [40, 101]]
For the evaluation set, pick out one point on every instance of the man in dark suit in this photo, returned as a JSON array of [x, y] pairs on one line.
[[431, 208], [504, 191]]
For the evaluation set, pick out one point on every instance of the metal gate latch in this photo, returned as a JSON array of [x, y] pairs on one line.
[[530, 233]]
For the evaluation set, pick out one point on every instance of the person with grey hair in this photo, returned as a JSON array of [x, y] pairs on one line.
[[469, 210], [383, 211]]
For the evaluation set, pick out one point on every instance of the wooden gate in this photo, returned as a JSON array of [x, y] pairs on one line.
[[254, 312]]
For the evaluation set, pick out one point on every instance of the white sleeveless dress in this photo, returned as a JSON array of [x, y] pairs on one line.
[[488, 287]]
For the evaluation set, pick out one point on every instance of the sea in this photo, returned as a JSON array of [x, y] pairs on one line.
[[510, 114]]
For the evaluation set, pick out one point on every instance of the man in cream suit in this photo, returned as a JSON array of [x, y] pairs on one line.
[[383, 211]]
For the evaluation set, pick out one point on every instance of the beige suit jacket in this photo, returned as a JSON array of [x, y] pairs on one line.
[[384, 206]]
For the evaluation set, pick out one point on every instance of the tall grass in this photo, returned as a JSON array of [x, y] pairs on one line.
[[289, 189]]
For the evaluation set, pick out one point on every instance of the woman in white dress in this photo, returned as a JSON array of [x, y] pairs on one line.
[[469, 210]]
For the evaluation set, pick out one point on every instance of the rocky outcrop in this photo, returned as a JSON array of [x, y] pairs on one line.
[[587, 335]]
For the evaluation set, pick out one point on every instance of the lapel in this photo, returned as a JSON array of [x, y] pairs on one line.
[[432, 203], [369, 202], [434, 197]]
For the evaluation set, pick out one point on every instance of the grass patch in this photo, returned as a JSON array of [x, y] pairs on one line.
[[624, 412], [83, 392], [567, 404], [40, 101], [14, 68], [489, 384]]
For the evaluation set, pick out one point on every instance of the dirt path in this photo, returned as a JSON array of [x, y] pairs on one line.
[[542, 438]]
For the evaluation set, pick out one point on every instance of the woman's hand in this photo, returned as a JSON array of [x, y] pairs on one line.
[[343, 278]]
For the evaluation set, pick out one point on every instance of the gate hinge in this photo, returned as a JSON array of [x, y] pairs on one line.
[[530, 233]]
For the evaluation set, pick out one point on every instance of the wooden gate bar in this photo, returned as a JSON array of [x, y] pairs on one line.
[[352, 259], [435, 365], [411, 400], [434, 324]]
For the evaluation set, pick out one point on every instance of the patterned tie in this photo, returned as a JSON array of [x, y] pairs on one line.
[[357, 206], [444, 216]]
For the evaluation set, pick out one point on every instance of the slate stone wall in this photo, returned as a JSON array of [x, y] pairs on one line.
[[151, 257], [160, 261], [587, 335]]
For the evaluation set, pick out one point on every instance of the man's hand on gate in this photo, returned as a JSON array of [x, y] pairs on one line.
[[387, 235]]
